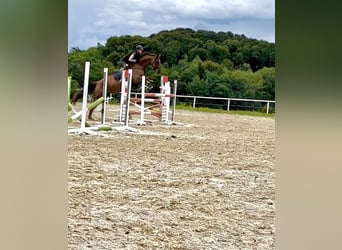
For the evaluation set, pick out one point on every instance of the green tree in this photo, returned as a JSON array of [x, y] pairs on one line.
[[204, 62], [267, 89], [198, 87], [203, 54]]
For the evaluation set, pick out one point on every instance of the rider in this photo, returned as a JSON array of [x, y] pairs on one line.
[[130, 58], [135, 55]]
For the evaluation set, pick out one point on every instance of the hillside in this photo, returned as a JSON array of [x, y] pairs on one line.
[[205, 63]]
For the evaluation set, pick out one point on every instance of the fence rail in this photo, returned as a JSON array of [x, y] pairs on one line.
[[228, 100]]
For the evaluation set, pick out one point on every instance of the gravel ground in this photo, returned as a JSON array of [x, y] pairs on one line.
[[205, 183]]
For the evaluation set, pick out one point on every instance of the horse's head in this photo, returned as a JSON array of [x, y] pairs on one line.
[[156, 63], [149, 59]]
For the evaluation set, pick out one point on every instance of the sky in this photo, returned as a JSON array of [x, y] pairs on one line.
[[94, 21]]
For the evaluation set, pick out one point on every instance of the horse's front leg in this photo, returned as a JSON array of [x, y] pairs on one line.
[[148, 82]]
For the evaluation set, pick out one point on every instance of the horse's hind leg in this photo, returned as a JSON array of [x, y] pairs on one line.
[[97, 94], [90, 114], [76, 97]]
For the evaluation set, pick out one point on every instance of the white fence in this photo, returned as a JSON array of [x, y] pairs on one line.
[[228, 100]]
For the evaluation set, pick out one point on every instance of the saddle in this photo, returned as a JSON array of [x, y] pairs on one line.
[[118, 75]]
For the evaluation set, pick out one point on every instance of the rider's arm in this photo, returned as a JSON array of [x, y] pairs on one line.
[[131, 58]]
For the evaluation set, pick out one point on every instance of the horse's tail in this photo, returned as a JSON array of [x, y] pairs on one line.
[[79, 93]]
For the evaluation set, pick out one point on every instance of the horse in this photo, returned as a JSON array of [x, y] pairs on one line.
[[114, 86]]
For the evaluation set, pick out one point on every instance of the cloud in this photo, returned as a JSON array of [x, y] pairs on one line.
[[92, 21]]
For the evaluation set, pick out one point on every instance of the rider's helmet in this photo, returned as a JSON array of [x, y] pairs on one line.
[[139, 47]]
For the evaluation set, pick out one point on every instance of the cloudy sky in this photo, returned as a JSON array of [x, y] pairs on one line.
[[93, 21]]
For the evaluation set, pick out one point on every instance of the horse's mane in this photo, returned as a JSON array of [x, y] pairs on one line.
[[125, 58], [147, 53]]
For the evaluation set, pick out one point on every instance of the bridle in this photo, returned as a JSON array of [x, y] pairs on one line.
[[156, 64]]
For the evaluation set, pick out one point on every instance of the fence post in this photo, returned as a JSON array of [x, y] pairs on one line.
[[268, 107], [194, 103], [228, 105]]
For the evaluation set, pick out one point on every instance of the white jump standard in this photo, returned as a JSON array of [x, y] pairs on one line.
[[83, 112], [86, 106], [126, 86], [161, 101]]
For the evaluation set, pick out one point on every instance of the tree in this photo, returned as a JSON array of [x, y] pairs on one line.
[[267, 89], [204, 62], [198, 87], [203, 54]]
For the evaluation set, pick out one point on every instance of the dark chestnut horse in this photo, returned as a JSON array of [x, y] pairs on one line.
[[114, 86]]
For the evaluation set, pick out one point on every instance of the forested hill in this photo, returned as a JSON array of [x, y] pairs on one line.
[[205, 63]]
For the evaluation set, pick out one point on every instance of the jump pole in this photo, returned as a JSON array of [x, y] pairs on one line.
[[104, 100], [83, 128], [85, 95], [142, 102], [128, 96], [174, 101], [89, 106], [142, 109], [126, 87], [166, 95], [69, 92], [104, 94], [163, 98]]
